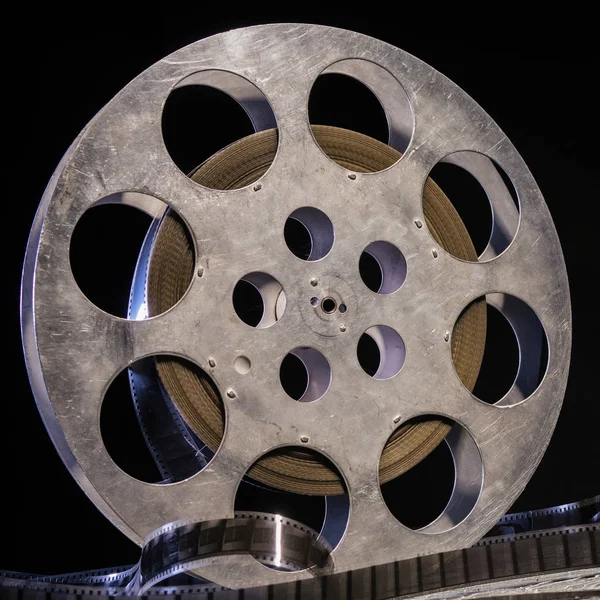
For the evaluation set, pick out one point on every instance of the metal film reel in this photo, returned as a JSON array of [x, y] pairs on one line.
[[225, 225]]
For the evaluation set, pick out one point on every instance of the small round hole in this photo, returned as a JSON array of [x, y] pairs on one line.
[[308, 233], [259, 300], [305, 374], [314, 301], [343, 308], [382, 267], [390, 355], [328, 305]]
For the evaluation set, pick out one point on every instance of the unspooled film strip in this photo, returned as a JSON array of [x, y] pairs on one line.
[[567, 546]]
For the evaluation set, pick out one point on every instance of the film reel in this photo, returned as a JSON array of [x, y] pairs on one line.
[[416, 327]]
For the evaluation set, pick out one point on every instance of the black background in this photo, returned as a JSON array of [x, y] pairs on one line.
[[536, 82]]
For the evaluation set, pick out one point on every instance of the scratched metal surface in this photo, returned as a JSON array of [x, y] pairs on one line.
[[74, 350]]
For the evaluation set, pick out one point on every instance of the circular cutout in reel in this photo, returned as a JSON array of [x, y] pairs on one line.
[[232, 226]]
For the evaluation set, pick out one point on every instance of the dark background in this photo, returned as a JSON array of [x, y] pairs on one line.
[[537, 83]]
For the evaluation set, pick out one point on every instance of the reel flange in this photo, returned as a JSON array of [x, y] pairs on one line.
[[74, 350]]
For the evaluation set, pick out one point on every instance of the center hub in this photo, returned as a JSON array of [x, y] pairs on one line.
[[329, 305]]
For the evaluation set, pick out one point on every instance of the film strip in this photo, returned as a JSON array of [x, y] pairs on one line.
[[177, 547], [559, 551], [565, 515]]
